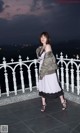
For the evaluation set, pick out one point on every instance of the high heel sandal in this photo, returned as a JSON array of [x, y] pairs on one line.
[[43, 108], [64, 105]]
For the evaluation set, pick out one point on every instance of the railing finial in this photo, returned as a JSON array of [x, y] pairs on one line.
[[77, 57], [12, 60], [19, 56], [4, 59], [27, 58], [61, 54], [66, 56], [56, 55]]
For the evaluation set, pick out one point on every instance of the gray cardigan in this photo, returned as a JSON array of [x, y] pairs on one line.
[[49, 64]]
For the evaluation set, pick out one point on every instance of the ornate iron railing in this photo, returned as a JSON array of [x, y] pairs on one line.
[[68, 73]]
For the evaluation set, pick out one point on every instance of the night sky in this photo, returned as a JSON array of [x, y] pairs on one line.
[[22, 21]]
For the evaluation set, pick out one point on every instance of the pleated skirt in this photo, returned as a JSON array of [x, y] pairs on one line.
[[49, 86]]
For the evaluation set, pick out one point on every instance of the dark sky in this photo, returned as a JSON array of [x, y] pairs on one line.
[[22, 21]]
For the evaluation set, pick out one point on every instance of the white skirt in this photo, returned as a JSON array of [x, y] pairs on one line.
[[49, 86]]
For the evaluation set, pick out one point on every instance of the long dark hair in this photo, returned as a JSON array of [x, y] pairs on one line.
[[47, 36]]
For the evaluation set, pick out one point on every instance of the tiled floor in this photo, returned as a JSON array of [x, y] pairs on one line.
[[25, 117]]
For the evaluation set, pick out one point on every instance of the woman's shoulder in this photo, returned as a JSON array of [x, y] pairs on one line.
[[48, 45], [48, 48]]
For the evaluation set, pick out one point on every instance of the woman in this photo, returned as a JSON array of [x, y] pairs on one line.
[[48, 85]]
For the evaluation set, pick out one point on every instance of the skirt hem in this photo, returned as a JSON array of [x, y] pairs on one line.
[[51, 95]]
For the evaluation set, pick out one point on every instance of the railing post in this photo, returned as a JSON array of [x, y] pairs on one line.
[[78, 80], [62, 71], [21, 75], [14, 83], [6, 76], [67, 78], [36, 73], [29, 77], [72, 77]]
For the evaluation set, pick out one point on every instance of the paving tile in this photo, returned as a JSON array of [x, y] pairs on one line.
[[3, 108], [7, 118], [62, 129], [67, 115], [42, 124], [75, 125], [19, 127], [78, 127], [24, 105], [26, 117], [28, 114], [73, 106], [53, 107]]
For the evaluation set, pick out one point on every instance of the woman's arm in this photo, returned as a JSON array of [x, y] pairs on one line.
[[48, 48]]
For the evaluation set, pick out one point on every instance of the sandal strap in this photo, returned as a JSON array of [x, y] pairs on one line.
[[64, 105], [43, 108]]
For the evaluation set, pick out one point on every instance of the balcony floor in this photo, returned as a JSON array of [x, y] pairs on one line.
[[25, 117]]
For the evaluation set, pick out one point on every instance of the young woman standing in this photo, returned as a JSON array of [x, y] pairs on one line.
[[48, 85]]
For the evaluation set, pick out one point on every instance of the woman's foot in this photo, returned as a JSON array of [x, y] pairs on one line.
[[43, 108], [64, 105]]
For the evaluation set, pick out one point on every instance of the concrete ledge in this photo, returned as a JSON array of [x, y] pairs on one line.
[[4, 100], [72, 97]]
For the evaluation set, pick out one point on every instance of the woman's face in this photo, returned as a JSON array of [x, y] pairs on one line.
[[43, 39]]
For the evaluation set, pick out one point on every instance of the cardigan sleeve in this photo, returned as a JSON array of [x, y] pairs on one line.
[[49, 65], [38, 50]]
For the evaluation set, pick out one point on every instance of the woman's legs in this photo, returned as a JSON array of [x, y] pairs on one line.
[[63, 102], [43, 101], [43, 104]]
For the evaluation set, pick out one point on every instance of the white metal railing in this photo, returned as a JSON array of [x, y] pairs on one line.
[[68, 73], [28, 63]]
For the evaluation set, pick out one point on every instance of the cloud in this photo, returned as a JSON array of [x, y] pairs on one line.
[[1, 6], [20, 7], [7, 6], [68, 1], [49, 4], [42, 7], [39, 4], [15, 7], [23, 21]]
